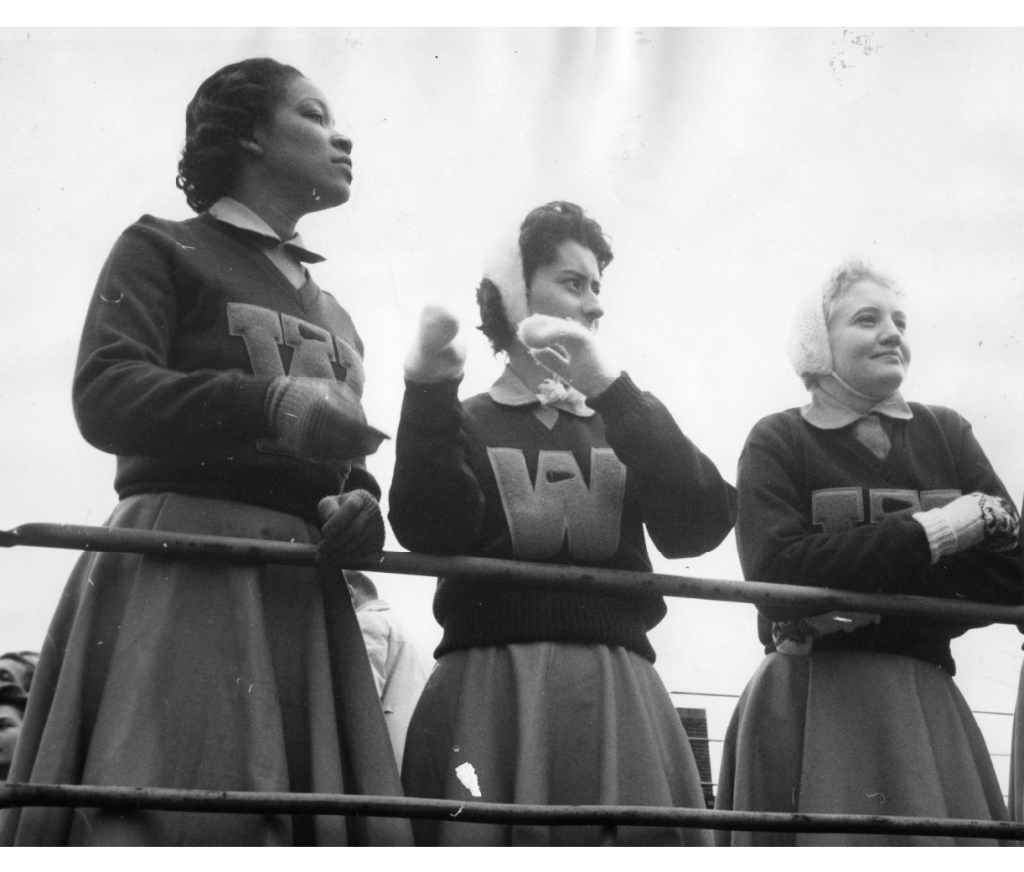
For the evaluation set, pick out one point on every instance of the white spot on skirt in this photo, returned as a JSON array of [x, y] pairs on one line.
[[467, 775]]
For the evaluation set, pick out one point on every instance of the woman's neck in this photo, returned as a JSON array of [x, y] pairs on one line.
[[841, 392], [280, 219], [526, 368]]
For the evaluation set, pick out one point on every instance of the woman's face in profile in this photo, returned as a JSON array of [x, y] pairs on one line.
[[866, 332], [301, 152], [568, 287]]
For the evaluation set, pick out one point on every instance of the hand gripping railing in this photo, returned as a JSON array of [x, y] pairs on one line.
[[498, 571]]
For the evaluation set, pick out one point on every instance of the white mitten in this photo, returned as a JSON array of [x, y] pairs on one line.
[[569, 350], [318, 419], [970, 520], [437, 354]]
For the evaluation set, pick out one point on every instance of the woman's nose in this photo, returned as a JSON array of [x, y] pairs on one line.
[[592, 307], [339, 140], [891, 335]]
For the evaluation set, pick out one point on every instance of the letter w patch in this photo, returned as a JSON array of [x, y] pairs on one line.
[[559, 506]]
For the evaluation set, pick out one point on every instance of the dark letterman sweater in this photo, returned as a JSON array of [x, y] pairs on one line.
[[489, 479], [188, 325], [818, 508]]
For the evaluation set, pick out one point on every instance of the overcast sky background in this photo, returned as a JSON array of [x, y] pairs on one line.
[[733, 170]]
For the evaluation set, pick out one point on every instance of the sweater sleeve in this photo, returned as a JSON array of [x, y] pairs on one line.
[[978, 573], [436, 503], [688, 508], [127, 398], [778, 542]]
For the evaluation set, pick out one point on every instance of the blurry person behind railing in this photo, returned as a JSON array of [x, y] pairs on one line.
[[12, 713], [399, 669], [18, 668]]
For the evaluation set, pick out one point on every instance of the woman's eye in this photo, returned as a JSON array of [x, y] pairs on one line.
[[318, 116]]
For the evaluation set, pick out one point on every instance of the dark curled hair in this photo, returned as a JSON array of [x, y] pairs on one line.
[[226, 108], [494, 323], [14, 696], [540, 236]]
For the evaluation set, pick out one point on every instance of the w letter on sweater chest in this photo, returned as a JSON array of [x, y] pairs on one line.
[[542, 515], [313, 348]]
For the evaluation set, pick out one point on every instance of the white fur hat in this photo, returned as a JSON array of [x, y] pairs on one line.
[[505, 269], [809, 350]]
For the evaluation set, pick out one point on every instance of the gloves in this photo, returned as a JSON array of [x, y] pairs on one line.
[[797, 636], [974, 519], [437, 355], [567, 349], [352, 526], [317, 419]]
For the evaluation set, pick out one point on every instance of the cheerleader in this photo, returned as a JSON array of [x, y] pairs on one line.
[[860, 490], [544, 695], [228, 385]]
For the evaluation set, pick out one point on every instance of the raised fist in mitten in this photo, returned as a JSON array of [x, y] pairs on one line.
[[437, 354], [570, 351], [352, 525], [317, 419], [973, 519]]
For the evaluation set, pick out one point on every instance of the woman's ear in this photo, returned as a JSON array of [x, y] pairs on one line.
[[252, 146]]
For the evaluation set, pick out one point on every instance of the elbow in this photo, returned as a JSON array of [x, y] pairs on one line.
[[95, 426], [697, 532]]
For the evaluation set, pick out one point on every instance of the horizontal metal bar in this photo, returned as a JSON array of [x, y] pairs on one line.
[[698, 693], [166, 799], [505, 571]]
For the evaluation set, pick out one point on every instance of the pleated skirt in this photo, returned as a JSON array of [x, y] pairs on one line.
[[549, 724], [855, 733], [1017, 756], [202, 674]]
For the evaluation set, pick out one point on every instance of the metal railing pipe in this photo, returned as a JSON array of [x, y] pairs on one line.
[[217, 801], [485, 569]]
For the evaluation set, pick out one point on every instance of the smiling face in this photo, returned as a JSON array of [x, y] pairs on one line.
[[866, 333], [301, 157], [568, 287]]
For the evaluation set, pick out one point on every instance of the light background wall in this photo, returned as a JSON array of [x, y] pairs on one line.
[[733, 170]]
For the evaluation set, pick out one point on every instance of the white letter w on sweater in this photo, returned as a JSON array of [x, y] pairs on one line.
[[560, 505]]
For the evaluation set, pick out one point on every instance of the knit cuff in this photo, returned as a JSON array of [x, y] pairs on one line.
[[620, 398], [949, 531], [430, 396]]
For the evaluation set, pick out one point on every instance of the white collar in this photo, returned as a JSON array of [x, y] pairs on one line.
[[511, 390], [376, 605], [230, 211]]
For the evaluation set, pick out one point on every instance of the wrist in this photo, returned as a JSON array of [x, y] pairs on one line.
[[953, 527], [594, 385]]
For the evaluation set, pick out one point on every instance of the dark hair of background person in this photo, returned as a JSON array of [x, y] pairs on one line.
[[226, 109], [28, 659], [540, 236]]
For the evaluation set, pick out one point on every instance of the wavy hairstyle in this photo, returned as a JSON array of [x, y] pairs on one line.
[[226, 109], [541, 234]]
